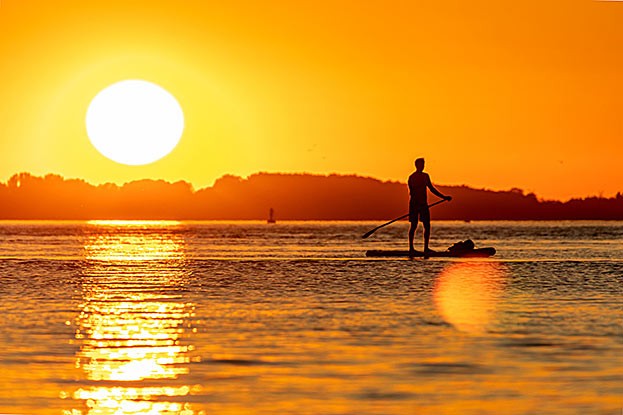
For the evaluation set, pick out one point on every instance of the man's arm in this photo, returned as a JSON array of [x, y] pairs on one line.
[[435, 191]]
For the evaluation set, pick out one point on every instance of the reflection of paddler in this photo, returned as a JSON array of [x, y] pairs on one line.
[[419, 182]]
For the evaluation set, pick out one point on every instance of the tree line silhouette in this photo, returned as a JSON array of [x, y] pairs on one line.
[[292, 196]]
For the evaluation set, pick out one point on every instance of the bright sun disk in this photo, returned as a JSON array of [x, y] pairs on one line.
[[134, 122]]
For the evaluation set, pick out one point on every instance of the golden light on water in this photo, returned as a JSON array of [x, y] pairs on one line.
[[467, 295], [134, 323], [135, 240], [113, 223]]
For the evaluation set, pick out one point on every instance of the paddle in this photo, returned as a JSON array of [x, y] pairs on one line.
[[370, 232]]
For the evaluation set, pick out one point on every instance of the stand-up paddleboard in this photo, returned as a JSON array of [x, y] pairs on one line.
[[471, 253]]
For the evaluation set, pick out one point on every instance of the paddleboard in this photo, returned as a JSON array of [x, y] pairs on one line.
[[472, 253]]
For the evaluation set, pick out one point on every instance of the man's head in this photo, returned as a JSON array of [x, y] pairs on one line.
[[419, 164]]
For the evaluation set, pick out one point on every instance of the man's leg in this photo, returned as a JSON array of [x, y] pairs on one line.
[[426, 234], [411, 235], [425, 219]]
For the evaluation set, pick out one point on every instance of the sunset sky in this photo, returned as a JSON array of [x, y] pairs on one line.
[[494, 94]]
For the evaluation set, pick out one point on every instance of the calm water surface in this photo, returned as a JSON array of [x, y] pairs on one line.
[[189, 318]]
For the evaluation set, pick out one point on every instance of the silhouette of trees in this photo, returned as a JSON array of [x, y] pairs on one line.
[[293, 196]]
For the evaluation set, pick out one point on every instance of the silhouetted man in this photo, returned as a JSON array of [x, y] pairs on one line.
[[418, 205]]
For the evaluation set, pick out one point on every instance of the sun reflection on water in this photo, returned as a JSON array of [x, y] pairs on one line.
[[467, 294], [134, 326]]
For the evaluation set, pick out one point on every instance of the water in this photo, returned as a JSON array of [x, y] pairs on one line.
[[246, 318]]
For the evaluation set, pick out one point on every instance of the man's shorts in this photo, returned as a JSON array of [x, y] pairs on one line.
[[418, 210]]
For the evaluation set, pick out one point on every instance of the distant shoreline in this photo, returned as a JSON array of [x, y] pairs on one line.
[[300, 197]]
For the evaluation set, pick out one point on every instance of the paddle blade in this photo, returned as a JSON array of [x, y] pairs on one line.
[[365, 235]]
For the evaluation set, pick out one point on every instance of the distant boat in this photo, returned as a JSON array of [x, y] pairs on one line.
[[271, 216]]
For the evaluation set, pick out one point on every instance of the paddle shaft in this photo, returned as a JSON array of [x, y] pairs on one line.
[[370, 232]]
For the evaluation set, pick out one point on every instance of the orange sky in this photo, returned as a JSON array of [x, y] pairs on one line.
[[494, 94]]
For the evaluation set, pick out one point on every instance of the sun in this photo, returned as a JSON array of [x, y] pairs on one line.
[[134, 122]]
